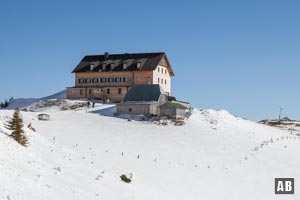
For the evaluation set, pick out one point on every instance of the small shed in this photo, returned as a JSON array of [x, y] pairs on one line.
[[43, 117], [142, 100], [173, 110]]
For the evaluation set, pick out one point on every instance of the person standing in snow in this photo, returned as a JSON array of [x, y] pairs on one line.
[[93, 105], [88, 104]]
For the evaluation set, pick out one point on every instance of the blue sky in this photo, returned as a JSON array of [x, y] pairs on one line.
[[242, 56]]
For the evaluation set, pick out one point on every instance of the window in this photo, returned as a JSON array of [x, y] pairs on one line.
[[158, 69], [103, 66], [130, 110], [166, 81], [158, 80], [119, 90], [148, 80], [118, 79], [124, 65], [138, 78], [81, 91], [112, 66], [108, 91], [80, 80], [95, 80], [111, 80], [162, 81], [165, 71], [90, 91], [125, 79], [103, 80], [88, 80], [138, 65]]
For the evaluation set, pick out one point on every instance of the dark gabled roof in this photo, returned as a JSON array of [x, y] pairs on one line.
[[176, 105], [143, 93], [148, 61], [171, 98]]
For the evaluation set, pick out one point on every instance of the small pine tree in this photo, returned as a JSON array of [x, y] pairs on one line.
[[16, 126], [6, 103]]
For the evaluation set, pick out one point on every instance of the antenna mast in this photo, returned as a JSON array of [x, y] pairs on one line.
[[280, 111]]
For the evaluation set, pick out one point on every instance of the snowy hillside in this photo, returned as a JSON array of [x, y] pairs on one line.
[[25, 102], [79, 155]]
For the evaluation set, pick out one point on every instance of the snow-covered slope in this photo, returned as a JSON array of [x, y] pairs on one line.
[[59, 95], [79, 155], [25, 102], [22, 103]]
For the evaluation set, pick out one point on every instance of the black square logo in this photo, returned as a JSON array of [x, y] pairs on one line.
[[284, 186]]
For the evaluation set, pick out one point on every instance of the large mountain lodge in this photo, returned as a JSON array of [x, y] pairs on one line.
[[112, 76]]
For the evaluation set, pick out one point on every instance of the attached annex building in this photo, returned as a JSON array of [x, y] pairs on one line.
[[142, 100], [112, 76], [151, 101]]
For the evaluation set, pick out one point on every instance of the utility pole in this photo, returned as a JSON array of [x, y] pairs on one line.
[[280, 111]]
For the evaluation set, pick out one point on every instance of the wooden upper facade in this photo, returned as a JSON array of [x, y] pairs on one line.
[[111, 76]]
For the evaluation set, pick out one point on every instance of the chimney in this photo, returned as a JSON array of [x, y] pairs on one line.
[[106, 55]]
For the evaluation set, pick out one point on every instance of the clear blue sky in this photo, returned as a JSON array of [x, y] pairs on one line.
[[242, 56]]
